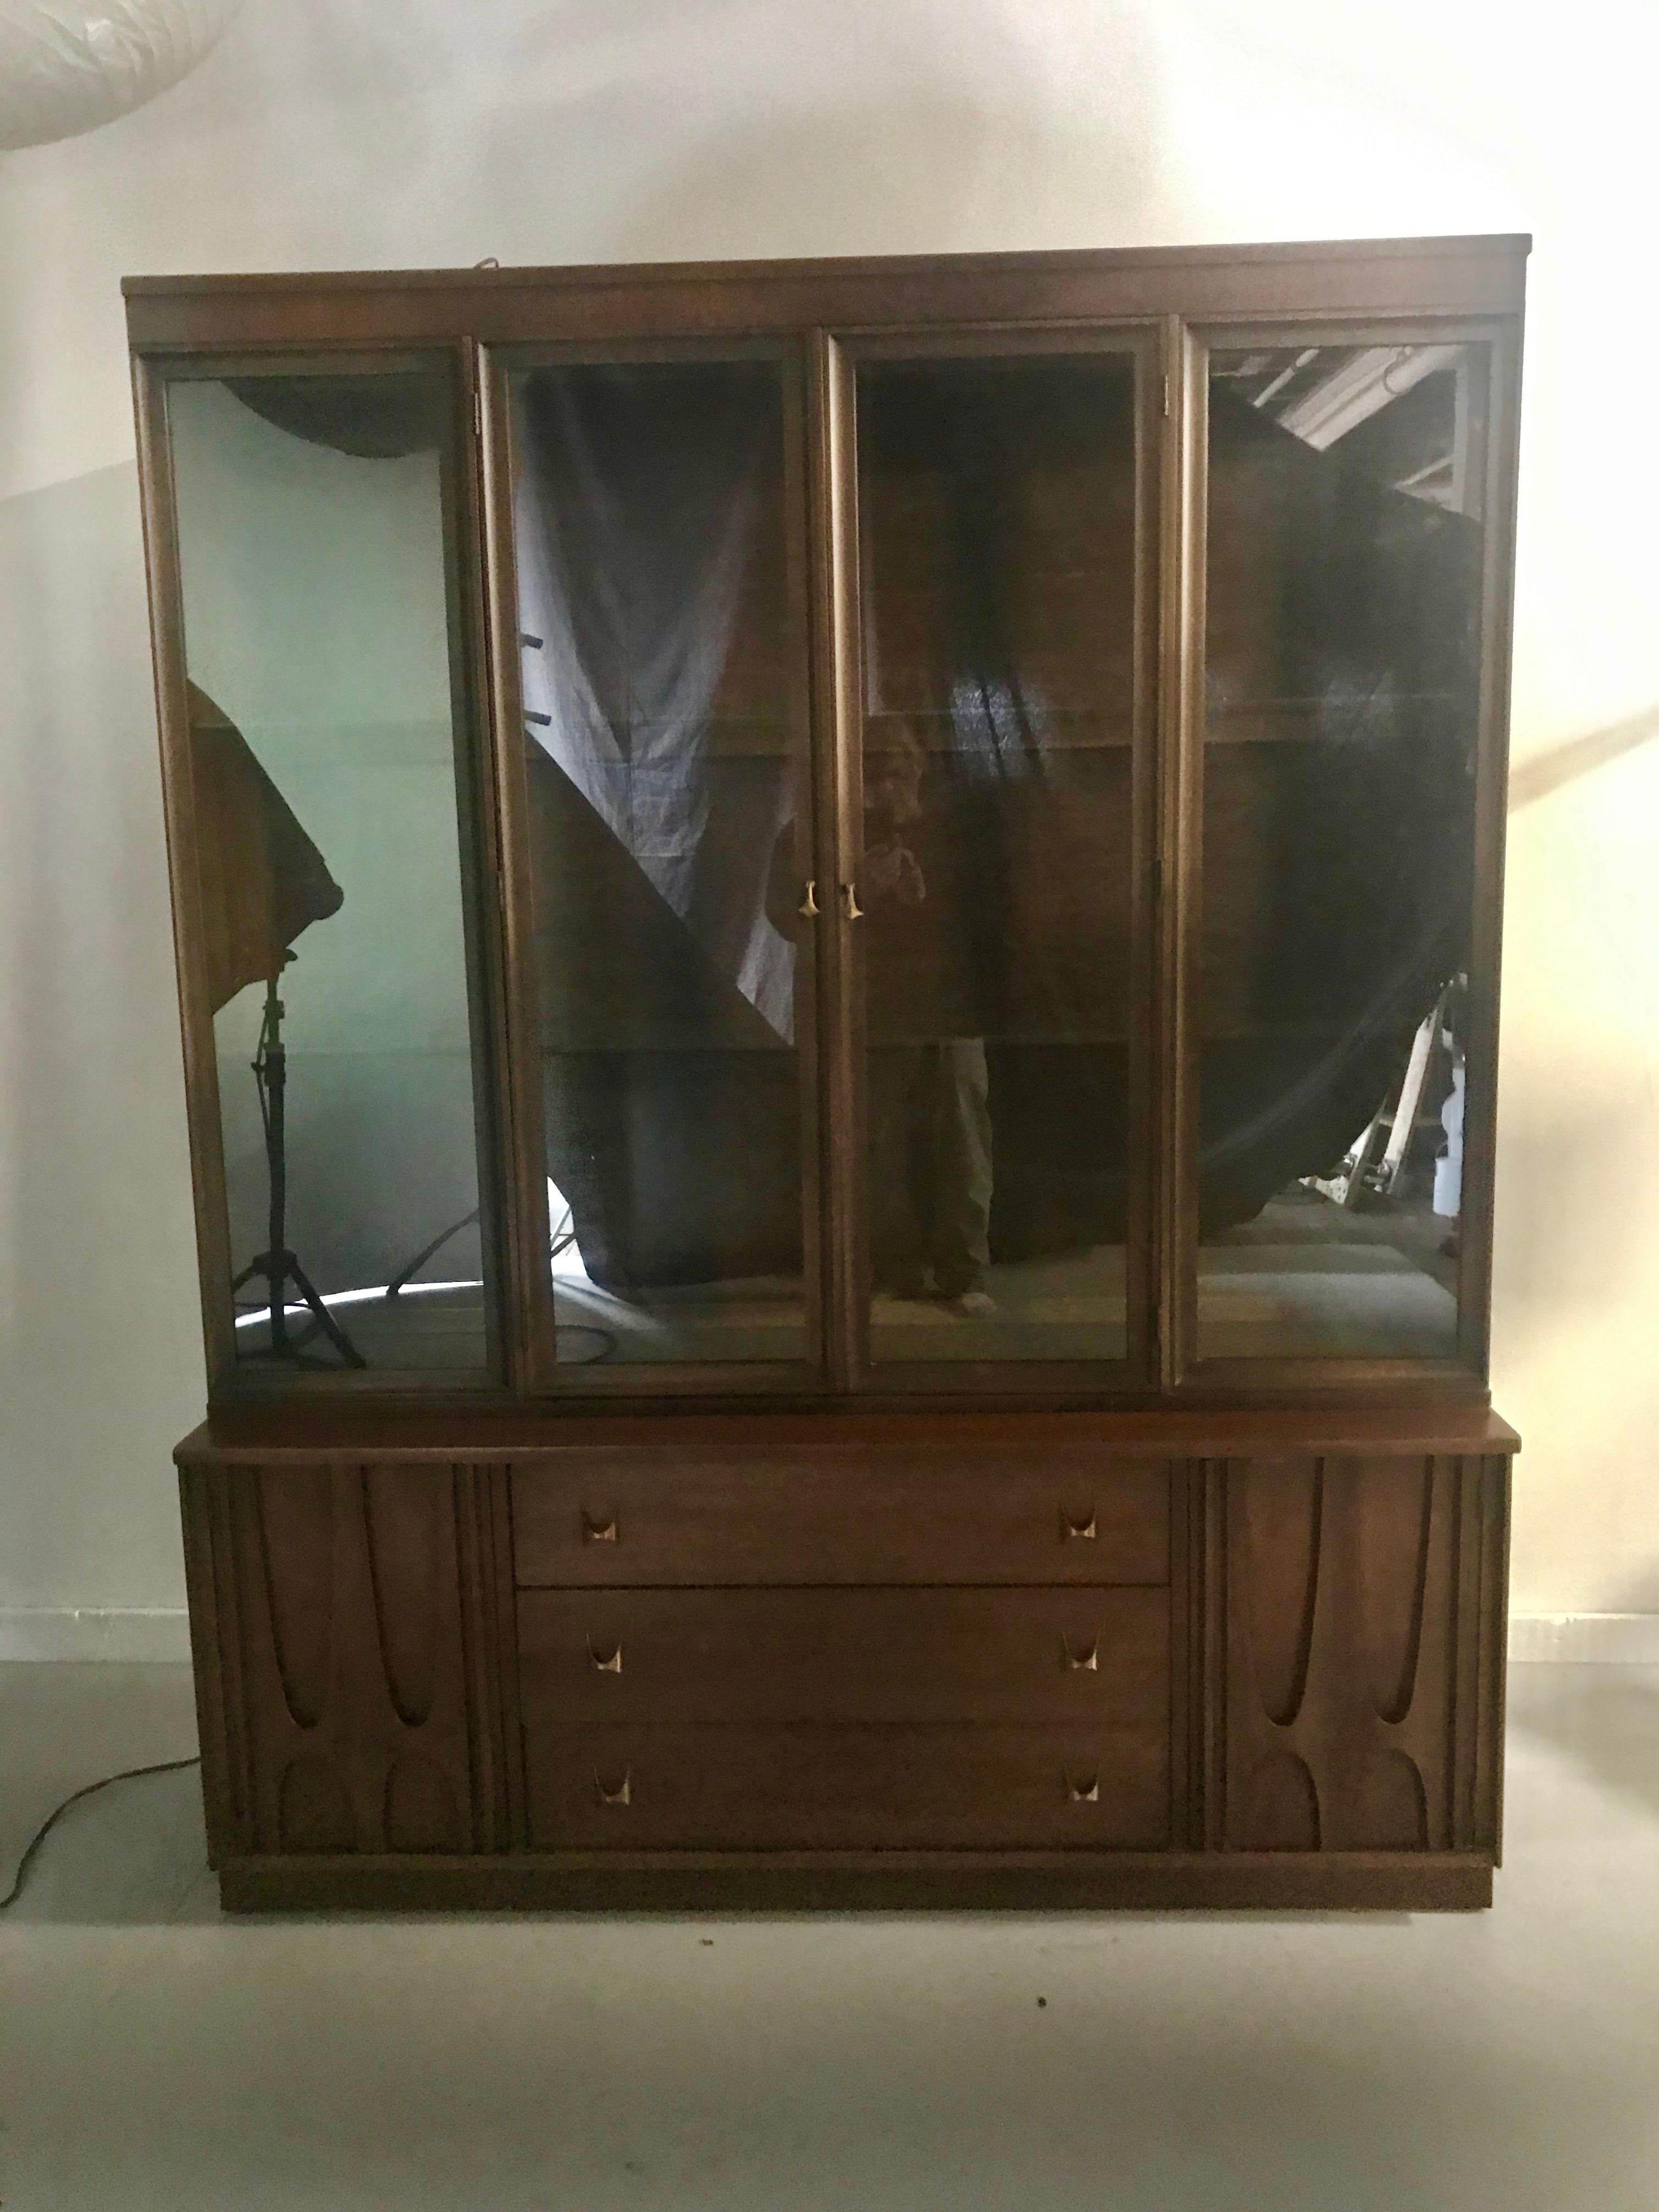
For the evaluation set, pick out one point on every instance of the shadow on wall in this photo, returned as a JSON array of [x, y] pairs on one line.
[[1539, 773]]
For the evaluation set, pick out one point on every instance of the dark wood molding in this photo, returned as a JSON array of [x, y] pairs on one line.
[[178, 801], [641, 301], [278, 1432], [212, 1642], [1232, 1881], [527, 1229]]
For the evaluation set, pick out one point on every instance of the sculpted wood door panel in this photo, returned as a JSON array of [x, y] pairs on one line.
[[357, 1657], [1359, 1650]]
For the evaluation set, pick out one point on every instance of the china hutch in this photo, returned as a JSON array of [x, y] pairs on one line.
[[838, 928]]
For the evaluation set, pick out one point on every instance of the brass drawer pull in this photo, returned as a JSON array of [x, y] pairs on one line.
[[849, 895], [1083, 1793], [599, 1532], [1087, 1661], [808, 905], [619, 1793], [1082, 1526], [610, 1663]]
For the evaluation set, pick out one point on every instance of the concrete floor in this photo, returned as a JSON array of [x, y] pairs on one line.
[[153, 2054], [66, 1726]]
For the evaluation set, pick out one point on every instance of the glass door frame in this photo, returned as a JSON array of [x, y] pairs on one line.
[[1347, 1378], [154, 369], [538, 1367], [836, 357]]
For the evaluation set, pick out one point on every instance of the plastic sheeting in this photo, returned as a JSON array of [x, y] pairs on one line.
[[67, 66]]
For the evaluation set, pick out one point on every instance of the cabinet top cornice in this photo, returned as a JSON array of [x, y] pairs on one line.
[[1379, 277], [1489, 245]]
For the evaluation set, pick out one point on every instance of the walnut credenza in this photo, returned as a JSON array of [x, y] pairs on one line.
[[1018, 1660]]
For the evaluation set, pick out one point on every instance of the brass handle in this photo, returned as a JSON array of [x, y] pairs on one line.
[[599, 1532], [610, 1663], [621, 1793], [808, 905], [1081, 1662], [1084, 1793], [1083, 1527], [854, 911]]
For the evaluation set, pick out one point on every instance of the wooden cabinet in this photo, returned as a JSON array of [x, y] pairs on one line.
[[837, 931]]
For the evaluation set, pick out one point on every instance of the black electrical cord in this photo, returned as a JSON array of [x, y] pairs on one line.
[[129, 1774]]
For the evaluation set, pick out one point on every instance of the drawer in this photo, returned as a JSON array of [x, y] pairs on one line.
[[599, 1517], [666, 1656], [808, 1788]]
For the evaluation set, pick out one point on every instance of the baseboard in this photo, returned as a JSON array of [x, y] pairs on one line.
[[28, 1631], [1630, 1639]]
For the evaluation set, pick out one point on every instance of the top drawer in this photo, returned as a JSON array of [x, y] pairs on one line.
[[627, 1518]]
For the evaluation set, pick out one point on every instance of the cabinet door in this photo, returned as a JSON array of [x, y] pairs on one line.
[[995, 901], [1348, 748], [650, 545], [309, 538]]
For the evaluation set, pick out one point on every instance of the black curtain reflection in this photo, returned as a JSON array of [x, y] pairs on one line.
[[653, 614], [1343, 670], [1344, 617], [374, 418]]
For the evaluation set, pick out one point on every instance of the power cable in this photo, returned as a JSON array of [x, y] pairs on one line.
[[128, 1774]]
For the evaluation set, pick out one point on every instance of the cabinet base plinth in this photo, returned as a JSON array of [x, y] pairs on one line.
[[1375, 1881]]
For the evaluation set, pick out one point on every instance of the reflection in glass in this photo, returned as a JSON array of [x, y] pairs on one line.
[[1343, 658], [659, 670], [997, 555], [324, 754]]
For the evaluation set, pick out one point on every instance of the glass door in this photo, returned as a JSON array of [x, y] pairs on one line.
[[1342, 999], [651, 551], [316, 656], [997, 906]]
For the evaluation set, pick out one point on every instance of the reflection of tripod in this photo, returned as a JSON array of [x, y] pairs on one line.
[[277, 1263]]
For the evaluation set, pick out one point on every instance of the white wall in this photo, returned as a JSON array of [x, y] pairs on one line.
[[348, 133]]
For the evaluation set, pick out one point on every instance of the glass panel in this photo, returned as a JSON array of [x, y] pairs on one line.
[[997, 554], [326, 750], [661, 684], [1346, 550]]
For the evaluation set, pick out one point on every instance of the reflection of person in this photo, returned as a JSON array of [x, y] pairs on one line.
[[930, 1170], [927, 1091]]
